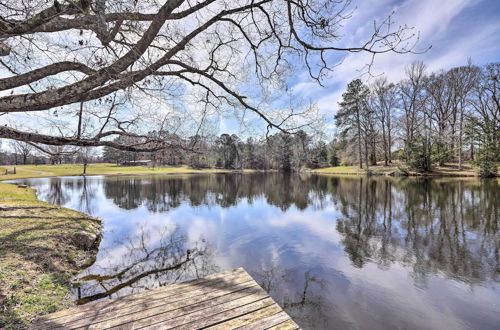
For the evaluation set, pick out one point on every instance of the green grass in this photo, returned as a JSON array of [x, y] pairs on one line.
[[31, 171], [8, 192], [39, 254]]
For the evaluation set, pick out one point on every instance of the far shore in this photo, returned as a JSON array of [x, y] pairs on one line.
[[448, 170], [40, 171], [43, 171]]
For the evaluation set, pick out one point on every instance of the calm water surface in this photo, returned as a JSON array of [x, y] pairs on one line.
[[335, 252]]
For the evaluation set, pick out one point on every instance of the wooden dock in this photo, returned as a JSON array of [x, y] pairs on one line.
[[226, 300]]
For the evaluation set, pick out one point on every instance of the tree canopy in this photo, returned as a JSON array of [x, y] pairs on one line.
[[95, 70]]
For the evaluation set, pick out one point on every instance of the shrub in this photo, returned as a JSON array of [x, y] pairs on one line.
[[402, 170], [418, 154], [486, 160]]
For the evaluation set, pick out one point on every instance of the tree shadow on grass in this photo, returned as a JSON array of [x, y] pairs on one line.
[[39, 252]]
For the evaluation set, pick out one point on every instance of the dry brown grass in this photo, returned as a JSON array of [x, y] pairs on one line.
[[446, 170]]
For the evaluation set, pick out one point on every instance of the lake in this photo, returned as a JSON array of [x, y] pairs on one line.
[[334, 252]]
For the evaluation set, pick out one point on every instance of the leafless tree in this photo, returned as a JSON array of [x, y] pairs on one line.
[[441, 110], [462, 81], [384, 105], [485, 102], [23, 149], [85, 154], [412, 98], [95, 70]]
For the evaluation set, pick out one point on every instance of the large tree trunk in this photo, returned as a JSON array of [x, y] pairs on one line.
[[460, 142], [441, 139], [373, 149], [366, 151], [386, 156], [358, 124], [389, 138]]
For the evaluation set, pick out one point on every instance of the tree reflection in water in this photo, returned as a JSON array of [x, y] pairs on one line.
[[430, 225], [299, 293], [153, 257], [345, 252], [160, 194], [57, 193], [87, 196]]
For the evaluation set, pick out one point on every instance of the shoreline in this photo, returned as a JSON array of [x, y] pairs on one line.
[[73, 170], [413, 175], [124, 174], [107, 170], [42, 248]]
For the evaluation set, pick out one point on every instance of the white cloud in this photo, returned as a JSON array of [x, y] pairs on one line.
[[447, 26]]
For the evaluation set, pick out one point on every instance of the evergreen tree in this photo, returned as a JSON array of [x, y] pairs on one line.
[[334, 159], [349, 117], [228, 154], [111, 155], [418, 154], [249, 156], [284, 152], [487, 161]]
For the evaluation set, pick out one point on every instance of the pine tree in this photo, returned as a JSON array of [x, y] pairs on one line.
[[350, 114], [285, 150], [334, 159]]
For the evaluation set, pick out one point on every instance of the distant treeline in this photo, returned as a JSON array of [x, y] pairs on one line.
[[22, 153], [424, 120], [281, 151]]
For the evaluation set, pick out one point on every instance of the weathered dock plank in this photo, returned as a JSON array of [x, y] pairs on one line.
[[226, 300]]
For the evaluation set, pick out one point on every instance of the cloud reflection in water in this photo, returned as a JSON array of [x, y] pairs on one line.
[[348, 252]]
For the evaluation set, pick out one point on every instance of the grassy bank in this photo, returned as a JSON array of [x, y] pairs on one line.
[[42, 247], [447, 170], [32, 171]]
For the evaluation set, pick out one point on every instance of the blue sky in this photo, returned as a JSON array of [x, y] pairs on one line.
[[456, 29]]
